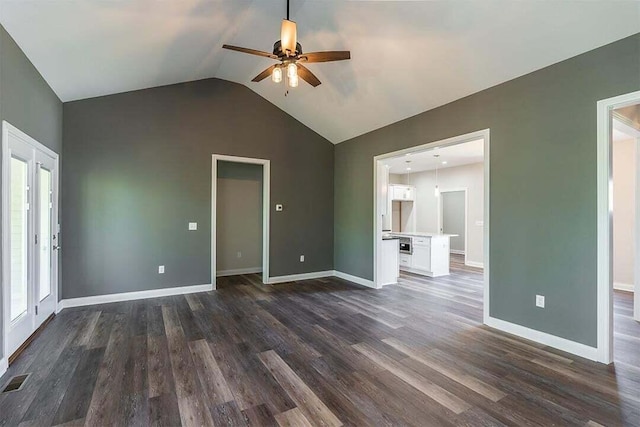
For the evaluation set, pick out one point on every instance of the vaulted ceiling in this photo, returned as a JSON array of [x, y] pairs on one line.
[[407, 56]]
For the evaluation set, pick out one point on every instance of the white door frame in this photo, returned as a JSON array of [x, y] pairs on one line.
[[466, 216], [604, 267], [377, 193], [266, 192], [8, 129]]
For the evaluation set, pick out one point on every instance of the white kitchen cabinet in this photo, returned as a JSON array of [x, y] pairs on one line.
[[404, 193], [421, 258], [390, 270], [405, 261]]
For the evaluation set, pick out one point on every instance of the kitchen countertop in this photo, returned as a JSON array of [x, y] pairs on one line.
[[421, 234], [390, 237]]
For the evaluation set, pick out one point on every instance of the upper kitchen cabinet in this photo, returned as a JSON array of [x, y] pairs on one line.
[[404, 193]]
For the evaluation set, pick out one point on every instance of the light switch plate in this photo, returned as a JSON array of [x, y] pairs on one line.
[[301, 258], [161, 269], [540, 301], [193, 226], [279, 208]]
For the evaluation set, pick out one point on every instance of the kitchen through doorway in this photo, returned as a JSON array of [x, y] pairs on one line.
[[427, 196]]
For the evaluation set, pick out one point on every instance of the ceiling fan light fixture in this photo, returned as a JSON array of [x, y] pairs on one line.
[[288, 52], [293, 81], [276, 75], [288, 37], [292, 70]]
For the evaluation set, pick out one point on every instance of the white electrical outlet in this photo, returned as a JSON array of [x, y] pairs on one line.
[[301, 258], [193, 226], [540, 301], [239, 254], [161, 269]]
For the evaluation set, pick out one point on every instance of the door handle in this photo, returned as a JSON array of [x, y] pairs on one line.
[[56, 247]]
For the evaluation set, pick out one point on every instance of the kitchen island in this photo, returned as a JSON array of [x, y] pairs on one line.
[[427, 254]]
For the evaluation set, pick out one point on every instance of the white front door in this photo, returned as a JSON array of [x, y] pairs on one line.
[[30, 234]]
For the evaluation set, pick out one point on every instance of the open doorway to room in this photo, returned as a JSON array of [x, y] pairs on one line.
[[618, 229], [624, 149], [240, 218], [431, 214]]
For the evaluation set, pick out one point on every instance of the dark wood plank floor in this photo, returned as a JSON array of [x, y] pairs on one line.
[[319, 352]]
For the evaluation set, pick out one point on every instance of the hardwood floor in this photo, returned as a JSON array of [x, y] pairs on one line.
[[318, 352]]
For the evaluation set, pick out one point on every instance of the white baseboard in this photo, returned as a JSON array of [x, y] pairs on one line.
[[474, 264], [354, 279], [303, 276], [4, 365], [130, 296], [456, 251], [238, 271], [623, 286], [180, 290], [563, 344]]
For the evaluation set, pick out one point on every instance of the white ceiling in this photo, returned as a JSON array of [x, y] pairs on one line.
[[407, 56], [447, 157]]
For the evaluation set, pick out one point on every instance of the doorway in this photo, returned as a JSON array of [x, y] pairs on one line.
[[30, 236], [403, 171], [611, 122], [453, 219], [232, 256]]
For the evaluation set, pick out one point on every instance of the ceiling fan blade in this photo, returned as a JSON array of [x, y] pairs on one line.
[[305, 74], [263, 75], [289, 36], [250, 51], [329, 56]]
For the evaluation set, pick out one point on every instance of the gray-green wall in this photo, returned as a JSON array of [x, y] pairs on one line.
[[137, 169], [543, 185], [28, 103]]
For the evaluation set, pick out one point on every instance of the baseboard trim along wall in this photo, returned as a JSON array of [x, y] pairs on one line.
[[180, 290], [237, 271], [474, 264], [354, 279], [130, 296], [456, 251], [4, 365], [628, 287], [563, 344], [303, 276]]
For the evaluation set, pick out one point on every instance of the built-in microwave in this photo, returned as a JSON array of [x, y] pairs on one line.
[[405, 245]]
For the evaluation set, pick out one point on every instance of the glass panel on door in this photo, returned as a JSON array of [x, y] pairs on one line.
[[18, 237], [44, 233]]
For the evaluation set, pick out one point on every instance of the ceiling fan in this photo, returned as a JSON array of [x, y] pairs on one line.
[[288, 51]]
